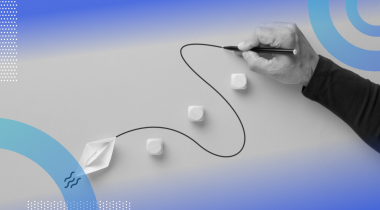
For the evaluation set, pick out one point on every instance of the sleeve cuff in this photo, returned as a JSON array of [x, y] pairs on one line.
[[318, 78]]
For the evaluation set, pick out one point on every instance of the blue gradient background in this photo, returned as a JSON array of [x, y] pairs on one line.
[[57, 27], [47, 27]]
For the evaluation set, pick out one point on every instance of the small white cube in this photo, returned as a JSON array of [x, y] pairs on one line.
[[196, 113], [238, 81], [154, 146]]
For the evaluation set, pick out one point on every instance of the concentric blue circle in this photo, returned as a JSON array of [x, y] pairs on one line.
[[358, 22], [335, 44], [47, 153]]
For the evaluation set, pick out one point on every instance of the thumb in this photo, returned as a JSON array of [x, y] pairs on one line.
[[256, 63], [249, 44]]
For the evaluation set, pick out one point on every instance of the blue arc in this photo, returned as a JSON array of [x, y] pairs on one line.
[[335, 44], [358, 22], [49, 154]]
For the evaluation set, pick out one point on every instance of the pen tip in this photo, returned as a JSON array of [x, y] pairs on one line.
[[232, 48], [295, 51]]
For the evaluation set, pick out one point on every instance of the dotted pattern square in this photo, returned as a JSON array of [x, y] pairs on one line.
[[78, 205], [8, 41]]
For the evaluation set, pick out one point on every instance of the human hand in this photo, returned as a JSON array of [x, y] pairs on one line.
[[287, 69]]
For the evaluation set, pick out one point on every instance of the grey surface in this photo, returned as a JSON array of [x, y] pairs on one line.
[[82, 97]]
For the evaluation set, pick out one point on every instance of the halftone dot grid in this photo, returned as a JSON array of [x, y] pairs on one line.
[[78, 205], [8, 41]]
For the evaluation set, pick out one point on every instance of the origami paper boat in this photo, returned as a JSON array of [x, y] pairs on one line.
[[96, 156]]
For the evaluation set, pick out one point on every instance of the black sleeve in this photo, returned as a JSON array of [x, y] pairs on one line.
[[352, 98]]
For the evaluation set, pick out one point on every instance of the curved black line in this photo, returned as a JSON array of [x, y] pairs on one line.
[[68, 183], [69, 176], [75, 183], [242, 126]]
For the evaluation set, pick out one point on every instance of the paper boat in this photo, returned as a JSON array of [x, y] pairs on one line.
[[96, 156]]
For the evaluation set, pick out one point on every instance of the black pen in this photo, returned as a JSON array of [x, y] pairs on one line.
[[264, 50]]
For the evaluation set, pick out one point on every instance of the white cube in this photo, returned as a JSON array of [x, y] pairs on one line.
[[238, 81], [196, 113], [154, 146]]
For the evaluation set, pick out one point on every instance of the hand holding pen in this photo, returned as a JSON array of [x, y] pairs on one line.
[[293, 59], [264, 50]]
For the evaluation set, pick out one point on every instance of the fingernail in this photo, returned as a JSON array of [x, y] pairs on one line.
[[240, 45]]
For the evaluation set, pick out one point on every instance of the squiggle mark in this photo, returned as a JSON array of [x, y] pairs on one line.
[[75, 183], [68, 183], [69, 176]]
